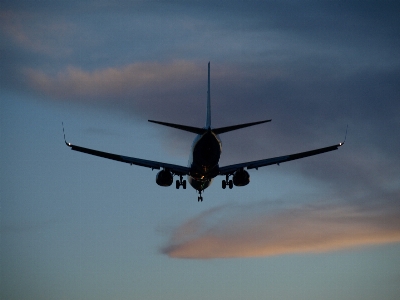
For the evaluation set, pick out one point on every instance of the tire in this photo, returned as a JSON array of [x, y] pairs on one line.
[[230, 184]]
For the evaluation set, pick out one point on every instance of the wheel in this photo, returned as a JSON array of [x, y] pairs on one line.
[[223, 184], [184, 184], [178, 184], [230, 184]]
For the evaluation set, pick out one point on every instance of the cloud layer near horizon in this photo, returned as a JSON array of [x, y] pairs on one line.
[[258, 230]]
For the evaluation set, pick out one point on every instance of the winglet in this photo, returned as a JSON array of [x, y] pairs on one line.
[[66, 143], [345, 136]]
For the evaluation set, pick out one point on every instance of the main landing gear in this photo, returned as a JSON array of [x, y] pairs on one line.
[[181, 182], [227, 182]]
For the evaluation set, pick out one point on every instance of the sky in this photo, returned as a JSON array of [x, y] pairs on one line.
[[75, 226]]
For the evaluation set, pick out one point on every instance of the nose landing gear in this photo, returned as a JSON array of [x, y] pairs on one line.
[[200, 198]]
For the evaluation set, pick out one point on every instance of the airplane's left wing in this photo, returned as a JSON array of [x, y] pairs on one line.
[[229, 170], [176, 169]]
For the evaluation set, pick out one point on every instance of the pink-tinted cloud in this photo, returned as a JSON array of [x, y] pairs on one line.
[[148, 88], [145, 88], [114, 82], [249, 231], [141, 79]]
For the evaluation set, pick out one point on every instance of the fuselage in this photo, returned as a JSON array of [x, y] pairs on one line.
[[203, 161]]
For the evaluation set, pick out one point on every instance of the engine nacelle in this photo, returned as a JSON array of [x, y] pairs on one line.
[[164, 178], [241, 178]]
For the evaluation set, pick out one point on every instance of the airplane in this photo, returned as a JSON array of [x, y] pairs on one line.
[[205, 153]]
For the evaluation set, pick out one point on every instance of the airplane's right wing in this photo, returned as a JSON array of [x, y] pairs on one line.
[[229, 170]]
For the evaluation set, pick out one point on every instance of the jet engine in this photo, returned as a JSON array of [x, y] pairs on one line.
[[164, 178], [241, 178]]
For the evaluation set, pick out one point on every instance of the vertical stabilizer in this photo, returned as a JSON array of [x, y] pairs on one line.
[[208, 120]]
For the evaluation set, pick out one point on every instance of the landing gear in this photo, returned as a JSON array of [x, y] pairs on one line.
[[200, 198], [181, 182], [227, 182]]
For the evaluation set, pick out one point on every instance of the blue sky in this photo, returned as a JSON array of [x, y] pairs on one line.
[[75, 226]]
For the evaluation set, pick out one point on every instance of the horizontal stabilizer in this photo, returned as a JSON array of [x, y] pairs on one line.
[[235, 127], [182, 127], [198, 130]]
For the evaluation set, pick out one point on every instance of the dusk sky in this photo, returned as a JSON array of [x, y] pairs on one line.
[[75, 226]]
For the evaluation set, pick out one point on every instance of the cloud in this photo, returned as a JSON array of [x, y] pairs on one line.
[[111, 82], [256, 230], [145, 88], [173, 88]]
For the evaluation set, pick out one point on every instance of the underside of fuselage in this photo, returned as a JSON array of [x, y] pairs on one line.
[[203, 161]]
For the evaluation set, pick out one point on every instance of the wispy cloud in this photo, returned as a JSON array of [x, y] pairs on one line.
[[260, 230], [114, 82], [139, 88]]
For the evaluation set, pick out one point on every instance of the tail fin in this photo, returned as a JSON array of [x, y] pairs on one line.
[[208, 120]]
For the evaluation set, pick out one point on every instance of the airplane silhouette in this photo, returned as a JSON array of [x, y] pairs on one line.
[[206, 150]]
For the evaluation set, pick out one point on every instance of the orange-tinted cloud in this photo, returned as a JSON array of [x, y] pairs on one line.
[[115, 82], [136, 80], [241, 231]]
